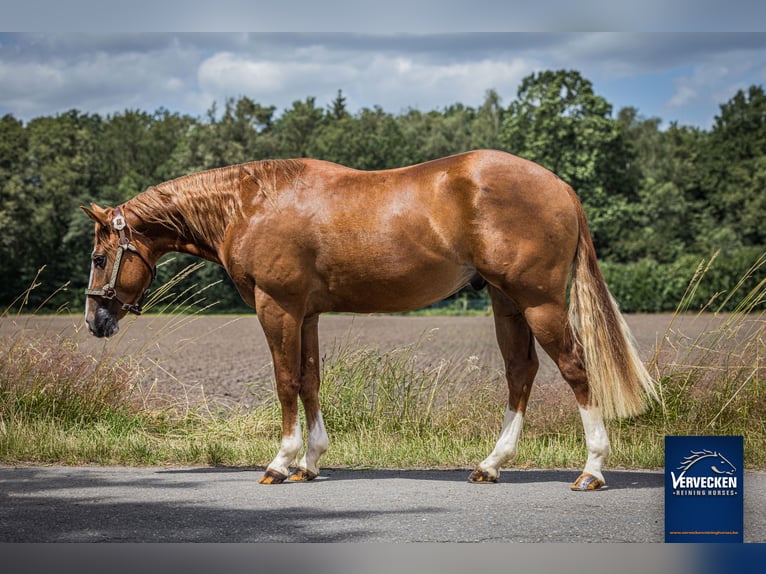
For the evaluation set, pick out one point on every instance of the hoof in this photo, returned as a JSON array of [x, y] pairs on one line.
[[587, 481], [480, 475], [272, 477], [302, 475]]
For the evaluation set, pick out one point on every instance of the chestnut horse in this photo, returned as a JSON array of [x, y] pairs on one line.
[[304, 237]]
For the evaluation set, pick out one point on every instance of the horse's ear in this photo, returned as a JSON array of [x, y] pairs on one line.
[[97, 214]]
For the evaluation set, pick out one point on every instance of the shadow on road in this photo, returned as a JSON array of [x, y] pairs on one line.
[[39, 507]]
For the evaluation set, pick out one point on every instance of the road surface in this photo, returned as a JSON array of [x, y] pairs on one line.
[[111, 504]]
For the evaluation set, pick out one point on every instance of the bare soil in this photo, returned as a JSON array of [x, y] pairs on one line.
[[224, 360]]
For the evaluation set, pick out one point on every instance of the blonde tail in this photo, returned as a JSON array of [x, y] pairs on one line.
[[619, 383]]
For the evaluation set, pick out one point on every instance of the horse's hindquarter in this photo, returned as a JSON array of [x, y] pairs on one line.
[[527, 227], [393, 240]]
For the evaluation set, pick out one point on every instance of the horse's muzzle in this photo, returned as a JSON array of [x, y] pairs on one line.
[[104, 324]]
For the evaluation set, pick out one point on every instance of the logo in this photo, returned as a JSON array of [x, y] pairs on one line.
[[703, 489], [717, 476]]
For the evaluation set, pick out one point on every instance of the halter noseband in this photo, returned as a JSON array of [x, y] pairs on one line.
[[109, 291]]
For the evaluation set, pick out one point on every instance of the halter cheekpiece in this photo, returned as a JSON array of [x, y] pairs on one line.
[[109, 291]]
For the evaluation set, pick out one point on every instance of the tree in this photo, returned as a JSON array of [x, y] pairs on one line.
[[13, 146], [369, 140], [485, 130], [559, 122], [663, 164], [296, 127], [655, 195], [15, 208], [243, 132], [338, 107], [735, 165], [435, 134], [56, 172]]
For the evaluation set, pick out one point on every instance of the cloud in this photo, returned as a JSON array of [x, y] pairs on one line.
[[434, 85], [228, 73], [392, 80], [107, 73], [716, 80], [629, 54], [54, 75]]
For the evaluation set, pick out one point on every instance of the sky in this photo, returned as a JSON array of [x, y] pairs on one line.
[[675, 76]]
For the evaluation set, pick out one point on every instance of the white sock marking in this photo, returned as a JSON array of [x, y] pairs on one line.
[[596, 440], [318, 443], [291, 447], [505, 447]]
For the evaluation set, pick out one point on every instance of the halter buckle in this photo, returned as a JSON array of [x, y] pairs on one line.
[[119, 222]]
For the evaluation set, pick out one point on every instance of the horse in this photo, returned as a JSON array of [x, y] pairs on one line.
[[302, 237]]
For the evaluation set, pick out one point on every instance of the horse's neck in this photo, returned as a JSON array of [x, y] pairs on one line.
[[190, 214]]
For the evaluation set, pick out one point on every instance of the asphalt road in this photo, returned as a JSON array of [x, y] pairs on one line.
[[98, 504]]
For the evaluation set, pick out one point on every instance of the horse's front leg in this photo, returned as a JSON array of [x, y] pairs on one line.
[[308, 467], [283, 334]]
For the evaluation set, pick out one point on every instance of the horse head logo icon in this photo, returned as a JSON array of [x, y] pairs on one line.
[[715, 461]]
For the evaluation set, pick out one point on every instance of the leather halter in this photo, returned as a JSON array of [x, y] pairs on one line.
[[109, 291]]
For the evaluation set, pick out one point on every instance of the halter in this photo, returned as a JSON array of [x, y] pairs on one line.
[[109, 291]]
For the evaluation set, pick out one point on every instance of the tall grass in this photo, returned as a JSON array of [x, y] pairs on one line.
[[59, 404], [385, 409], [715, 382]]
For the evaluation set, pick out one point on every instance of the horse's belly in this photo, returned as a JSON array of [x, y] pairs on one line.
[[375, 289]]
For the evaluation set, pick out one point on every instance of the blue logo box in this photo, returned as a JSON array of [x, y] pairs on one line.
[[704, 488]]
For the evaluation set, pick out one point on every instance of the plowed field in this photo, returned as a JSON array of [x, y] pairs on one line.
[[225, 360]]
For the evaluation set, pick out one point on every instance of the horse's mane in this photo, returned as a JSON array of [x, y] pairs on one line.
[[270, 174], [203, 204]]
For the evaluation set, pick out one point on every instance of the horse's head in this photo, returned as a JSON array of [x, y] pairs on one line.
[[720, 465], [120, 272], [715, 461]]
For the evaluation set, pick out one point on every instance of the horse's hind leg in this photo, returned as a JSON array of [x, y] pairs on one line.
[[308, 467], [549, 325], [517, 346]]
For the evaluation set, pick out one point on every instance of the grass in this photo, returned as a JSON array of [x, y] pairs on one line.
[[63, 406], [715, 383]]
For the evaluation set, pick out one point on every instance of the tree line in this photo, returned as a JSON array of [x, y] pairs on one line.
[[659, 198]]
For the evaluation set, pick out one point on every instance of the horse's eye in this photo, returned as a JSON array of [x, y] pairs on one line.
[[99, 261]]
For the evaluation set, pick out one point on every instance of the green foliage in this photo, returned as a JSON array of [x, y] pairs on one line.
[[485, 128], [369, 140], [713, 382], [736, 165], [647, 286], [658, 199], [296, 127], [559, 122]]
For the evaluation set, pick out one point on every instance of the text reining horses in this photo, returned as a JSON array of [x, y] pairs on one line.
[[304, 237]]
